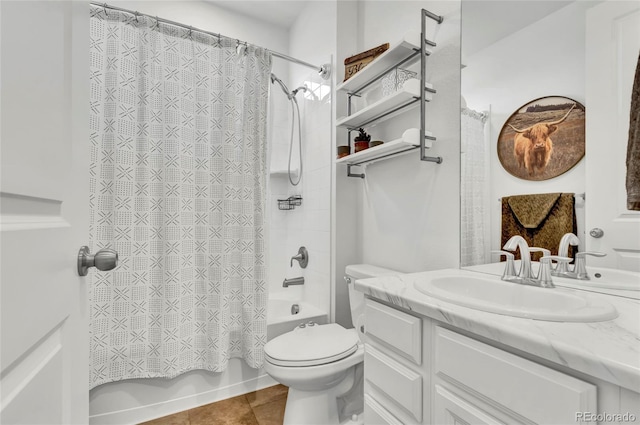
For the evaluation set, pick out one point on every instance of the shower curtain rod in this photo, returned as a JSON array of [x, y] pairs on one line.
[[323, 70]]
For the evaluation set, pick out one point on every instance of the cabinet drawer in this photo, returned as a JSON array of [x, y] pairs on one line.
[[375, 414], [402, 385], [400, 331], [449, 409], [533, 391]]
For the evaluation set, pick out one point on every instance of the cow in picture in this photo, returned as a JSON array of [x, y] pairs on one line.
[[532, 146]]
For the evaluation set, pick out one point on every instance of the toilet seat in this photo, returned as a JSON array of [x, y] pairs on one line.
[[311, 346]]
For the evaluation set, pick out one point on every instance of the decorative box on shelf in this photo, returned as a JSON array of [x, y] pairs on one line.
[[355, 63], [404, 53]]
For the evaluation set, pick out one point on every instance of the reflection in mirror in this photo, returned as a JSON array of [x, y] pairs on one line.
[[507, 63], [474, 186]]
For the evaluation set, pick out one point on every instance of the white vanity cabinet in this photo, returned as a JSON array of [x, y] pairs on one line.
[[419, 371], [395, 379], [478, 383]]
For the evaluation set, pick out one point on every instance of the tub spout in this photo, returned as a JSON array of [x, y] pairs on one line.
[[294, 281]]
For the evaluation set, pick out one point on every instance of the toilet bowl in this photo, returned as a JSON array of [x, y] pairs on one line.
[[318, 363], [323, 364]]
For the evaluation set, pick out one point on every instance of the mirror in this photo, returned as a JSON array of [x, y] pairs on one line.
[[507, 63]]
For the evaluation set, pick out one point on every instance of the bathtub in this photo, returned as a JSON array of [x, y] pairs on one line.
[[280, 318]]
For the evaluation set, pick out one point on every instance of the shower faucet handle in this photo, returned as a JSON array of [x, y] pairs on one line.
[[302, 258]]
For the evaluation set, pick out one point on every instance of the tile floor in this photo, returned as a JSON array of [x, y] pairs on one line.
[[263, 407]]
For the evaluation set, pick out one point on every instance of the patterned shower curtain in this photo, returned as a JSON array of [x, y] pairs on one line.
[[473, 199], [178, 182]]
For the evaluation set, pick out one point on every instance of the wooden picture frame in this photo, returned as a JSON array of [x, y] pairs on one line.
[[543, 138]]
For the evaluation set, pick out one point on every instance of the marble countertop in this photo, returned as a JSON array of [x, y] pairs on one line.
[[606, 350]]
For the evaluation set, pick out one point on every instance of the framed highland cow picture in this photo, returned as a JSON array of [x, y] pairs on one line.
[[543, 139]]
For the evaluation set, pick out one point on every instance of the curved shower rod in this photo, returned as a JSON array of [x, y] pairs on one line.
[[323, 70]]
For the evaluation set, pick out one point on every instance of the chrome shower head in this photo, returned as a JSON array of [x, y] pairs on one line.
[[284, 88], [303, 88]]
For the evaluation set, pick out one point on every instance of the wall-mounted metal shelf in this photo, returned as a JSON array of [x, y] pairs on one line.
[[403, 53], [384, 108], [407, 143], [408, 50]]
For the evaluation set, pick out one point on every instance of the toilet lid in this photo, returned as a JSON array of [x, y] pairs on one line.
[[311, 345]]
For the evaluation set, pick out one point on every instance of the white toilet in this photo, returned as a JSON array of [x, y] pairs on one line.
[[322, 364]]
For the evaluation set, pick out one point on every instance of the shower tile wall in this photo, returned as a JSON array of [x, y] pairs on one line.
[[279, 135], [309, 224], [311, 227]]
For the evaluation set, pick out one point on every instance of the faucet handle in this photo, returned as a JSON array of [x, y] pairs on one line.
[[581, 263], [557, 258], [544, 274], [545, 252], [302, 257], [592, 253], [510, 268]]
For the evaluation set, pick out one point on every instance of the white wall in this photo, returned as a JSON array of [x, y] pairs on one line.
[[405, 214], [345, 211], [551, 58], [139, 400], [410, 207]]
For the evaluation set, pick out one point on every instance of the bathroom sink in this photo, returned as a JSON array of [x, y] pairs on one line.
[[600, 277], [493, 295]]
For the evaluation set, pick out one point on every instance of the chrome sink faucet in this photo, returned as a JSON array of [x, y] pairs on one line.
[[525, 275], [580, 268], [518, 242], [563, 250], [579, 271]]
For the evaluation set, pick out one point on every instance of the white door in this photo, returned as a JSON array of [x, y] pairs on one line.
[[612, 46], [44, 212]]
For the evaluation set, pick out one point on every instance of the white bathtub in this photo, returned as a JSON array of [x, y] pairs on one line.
[[280, 318]]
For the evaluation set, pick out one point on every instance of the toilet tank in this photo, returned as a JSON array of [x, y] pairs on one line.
[[356, 298]]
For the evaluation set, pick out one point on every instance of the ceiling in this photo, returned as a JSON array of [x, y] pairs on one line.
[[483, 21], [486, 21], [282, 13]]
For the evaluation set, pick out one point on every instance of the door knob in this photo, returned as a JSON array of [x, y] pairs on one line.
[[596, 232], [105, 259]]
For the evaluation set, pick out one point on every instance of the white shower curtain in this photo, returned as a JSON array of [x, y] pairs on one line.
[[473, 190], [178, 124]]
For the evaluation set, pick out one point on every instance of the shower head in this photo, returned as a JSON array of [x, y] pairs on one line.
[[284, 88], [303, 88]]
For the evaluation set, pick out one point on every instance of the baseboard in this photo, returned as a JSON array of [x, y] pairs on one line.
[[169, 407]]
